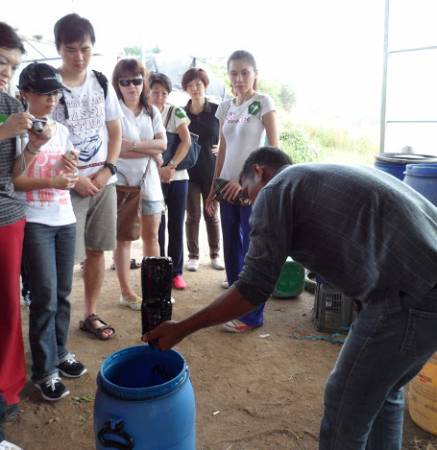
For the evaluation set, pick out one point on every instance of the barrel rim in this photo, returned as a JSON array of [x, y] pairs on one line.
[[141, 393], [421, 170], [405, 158]]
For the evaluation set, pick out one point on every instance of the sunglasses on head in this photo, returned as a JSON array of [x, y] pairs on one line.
[[134, 81]]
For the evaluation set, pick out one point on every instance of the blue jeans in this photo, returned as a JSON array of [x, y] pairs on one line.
[[175, 197], [49, 253], [236, 230], [388, 344]]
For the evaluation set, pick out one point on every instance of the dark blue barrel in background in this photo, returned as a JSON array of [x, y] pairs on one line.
[[395, 163], [423, 179], [144, 401]]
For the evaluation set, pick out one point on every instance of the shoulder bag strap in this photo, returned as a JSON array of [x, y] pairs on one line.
[[167, 119], [145, 172]]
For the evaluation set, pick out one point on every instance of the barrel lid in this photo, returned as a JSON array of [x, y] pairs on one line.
[[405, 158], [428, 169]]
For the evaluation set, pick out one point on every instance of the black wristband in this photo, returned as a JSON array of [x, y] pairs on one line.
[[111, 167]]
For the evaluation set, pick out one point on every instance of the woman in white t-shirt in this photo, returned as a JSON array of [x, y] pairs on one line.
[[143, 141], [244, 123], [174, 182]]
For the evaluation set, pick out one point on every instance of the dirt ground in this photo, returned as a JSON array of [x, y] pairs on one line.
[[252, 392]]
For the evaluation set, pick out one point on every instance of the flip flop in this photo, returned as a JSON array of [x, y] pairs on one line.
[[87, 326]]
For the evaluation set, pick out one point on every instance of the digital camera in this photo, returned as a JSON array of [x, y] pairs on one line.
[[219, 186], [38, 124]]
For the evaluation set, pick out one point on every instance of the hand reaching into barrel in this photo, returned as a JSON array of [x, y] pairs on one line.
[[165, 335]]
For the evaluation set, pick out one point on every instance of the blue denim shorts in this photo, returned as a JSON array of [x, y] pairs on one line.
[[151, 207]]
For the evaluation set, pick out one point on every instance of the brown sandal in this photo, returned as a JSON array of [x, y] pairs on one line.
[[87, 326]]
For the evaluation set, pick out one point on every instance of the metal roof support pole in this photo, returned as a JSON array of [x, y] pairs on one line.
[[384, 78]]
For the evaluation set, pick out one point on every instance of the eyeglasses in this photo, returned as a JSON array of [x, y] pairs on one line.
[[134, 81]]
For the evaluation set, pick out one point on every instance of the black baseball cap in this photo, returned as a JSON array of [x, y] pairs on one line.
[[40, 78]]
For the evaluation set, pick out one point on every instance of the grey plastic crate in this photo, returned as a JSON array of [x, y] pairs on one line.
[[333, 311]]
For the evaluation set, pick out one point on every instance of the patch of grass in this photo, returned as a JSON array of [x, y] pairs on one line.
[[306, 143]]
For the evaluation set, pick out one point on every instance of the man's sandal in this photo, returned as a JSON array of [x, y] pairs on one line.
[[87, 326]]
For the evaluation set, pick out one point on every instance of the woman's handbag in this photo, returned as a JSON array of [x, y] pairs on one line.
[[128, 210], [173, 142], [219, 186]]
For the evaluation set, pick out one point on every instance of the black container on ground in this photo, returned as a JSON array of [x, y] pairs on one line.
[[156, 276], [333, 311]]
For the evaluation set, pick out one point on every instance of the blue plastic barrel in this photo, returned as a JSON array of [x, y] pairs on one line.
[[144, 401], [395, 163], [423, 179]]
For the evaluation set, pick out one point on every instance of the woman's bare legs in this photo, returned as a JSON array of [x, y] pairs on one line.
[[122, 266], [149, 231]]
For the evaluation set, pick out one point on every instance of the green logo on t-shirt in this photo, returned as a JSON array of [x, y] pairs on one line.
[[180, 113], [254, 108]]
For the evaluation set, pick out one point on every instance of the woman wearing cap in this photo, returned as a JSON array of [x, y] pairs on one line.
[[174, 182], [143, 140], [50, 231], [13, 122]]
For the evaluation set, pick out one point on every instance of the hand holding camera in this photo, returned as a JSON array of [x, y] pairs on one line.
[[229, 191], [38, 124], [16, 124], [38, 138]]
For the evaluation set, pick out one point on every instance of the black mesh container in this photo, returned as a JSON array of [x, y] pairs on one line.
[[333, 311], [156, 277]]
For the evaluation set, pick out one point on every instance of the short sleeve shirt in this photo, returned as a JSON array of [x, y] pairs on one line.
[[88, 112], [206, 126], [130, 171], [49, 206], [243, 131], [172, 123]]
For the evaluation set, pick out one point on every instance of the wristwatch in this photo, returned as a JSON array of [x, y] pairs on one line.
[[111, 167], [172, 163]]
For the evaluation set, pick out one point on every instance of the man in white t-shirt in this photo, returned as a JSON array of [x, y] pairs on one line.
[[92, 114]]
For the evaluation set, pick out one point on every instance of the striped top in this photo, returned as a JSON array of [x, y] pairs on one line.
[[364, 231], [11, 210]]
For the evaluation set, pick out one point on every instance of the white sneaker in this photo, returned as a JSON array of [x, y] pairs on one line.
[[237, 326], [193, 265], [6, 445], [225, 284], [133, 303], [217, 264]]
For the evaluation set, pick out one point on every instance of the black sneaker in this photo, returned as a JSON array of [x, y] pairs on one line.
[[71, 367], [53, 389], [10, 414]]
